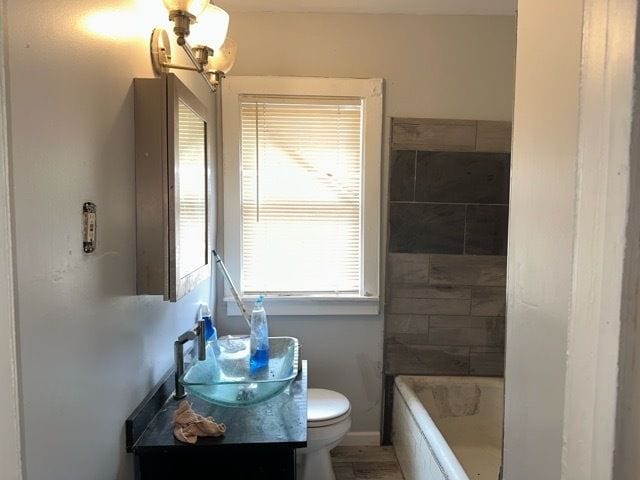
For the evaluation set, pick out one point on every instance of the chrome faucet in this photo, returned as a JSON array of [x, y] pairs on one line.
[[196, 332]]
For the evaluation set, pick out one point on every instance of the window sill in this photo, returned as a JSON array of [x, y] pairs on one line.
[[310, 305]]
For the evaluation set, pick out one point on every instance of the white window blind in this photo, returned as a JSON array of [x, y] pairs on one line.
[[301, 195], [192, 189]]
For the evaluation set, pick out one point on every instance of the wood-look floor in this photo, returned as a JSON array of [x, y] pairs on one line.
[[365, 463]]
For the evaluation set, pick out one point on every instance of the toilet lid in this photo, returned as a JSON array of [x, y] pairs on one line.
[[326, 405]]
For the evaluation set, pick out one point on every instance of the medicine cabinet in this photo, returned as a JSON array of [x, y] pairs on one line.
[[172, 193]]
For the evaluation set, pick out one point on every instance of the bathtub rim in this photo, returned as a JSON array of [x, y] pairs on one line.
[[447, 460]]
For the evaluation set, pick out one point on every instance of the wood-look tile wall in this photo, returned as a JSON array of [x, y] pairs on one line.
[[445, 314], [450, 135], [445, 299]]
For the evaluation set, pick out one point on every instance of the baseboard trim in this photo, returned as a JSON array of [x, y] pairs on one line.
[[361, 439]]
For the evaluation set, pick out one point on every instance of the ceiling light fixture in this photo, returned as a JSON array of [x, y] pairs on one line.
[[206, 25]]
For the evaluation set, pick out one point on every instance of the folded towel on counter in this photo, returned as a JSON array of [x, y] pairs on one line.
[[188, 425]]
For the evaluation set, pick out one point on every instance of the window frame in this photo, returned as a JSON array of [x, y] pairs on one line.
[[370, 92]]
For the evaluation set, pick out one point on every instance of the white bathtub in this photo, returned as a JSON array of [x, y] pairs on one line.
[[448, 428]]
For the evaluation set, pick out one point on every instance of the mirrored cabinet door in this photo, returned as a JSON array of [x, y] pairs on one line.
[[188, 198], [172, 176]]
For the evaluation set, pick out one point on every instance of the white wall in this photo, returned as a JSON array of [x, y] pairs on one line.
[[442, 67], [437, 66], [412, 7], [541, 234], [90, 349]]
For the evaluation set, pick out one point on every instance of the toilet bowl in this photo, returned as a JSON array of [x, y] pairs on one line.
[[328, 421]]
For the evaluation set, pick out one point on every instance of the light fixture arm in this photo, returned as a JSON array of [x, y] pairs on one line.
[[174, 66], [199, 56], [199, 59]]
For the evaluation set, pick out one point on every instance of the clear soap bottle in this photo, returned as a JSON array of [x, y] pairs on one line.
[[259, 337]]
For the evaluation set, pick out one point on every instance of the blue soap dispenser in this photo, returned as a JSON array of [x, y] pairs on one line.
[[210, 333], [205, 315], [259, 337]]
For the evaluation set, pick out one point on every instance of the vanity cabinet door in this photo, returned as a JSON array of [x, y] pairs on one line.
[[172, 188]]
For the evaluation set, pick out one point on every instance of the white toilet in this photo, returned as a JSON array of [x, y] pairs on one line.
[[328, 421]]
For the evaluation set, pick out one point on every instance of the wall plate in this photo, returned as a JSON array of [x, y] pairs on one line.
[[160, 50], [89, 226]]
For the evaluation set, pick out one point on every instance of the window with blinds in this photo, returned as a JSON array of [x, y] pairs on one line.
[[301, 169]]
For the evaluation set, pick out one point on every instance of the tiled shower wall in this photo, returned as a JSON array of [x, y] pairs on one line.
[[449, 189]]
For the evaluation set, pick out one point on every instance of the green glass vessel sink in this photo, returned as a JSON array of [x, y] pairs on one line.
[[225, 378]]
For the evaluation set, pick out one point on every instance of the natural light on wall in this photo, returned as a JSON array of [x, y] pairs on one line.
[[301, 195], [134, 19]]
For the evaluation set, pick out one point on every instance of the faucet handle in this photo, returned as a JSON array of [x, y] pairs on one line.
[[178, 352], [202, 347]]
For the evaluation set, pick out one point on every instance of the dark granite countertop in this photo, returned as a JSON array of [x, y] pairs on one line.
[[281, 421]]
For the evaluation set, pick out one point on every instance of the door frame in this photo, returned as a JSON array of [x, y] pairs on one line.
[[10, 446], [605, 252]]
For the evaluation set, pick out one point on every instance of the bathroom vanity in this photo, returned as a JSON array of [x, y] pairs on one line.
[[260, 441]]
